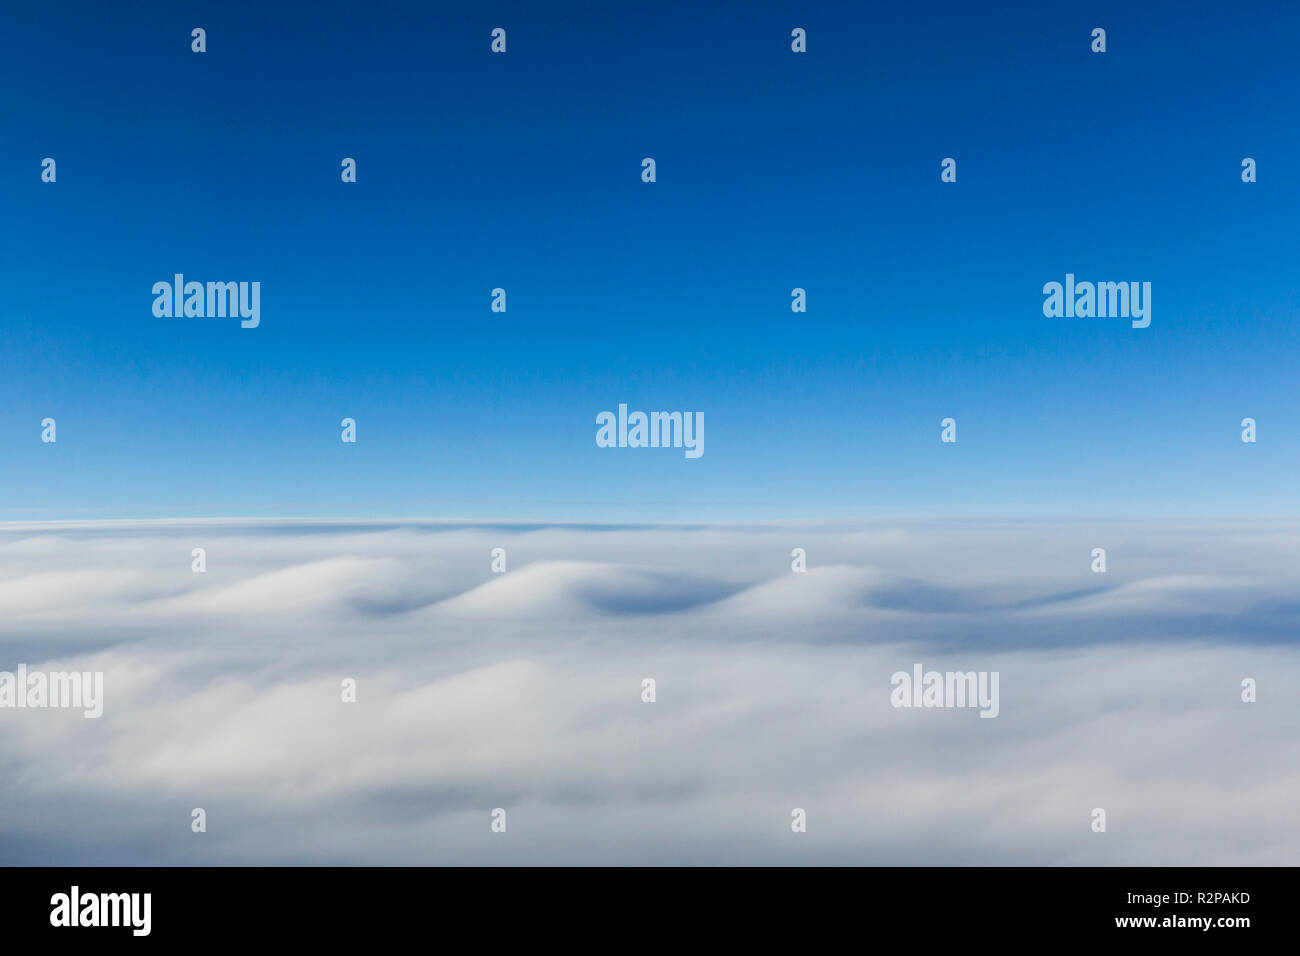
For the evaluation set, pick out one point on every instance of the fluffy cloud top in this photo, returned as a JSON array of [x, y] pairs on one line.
[[523, 691]]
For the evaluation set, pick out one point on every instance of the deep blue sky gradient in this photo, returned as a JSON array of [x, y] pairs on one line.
[[775, 170]]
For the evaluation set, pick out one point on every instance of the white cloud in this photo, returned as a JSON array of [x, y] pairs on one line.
[[522, 691]]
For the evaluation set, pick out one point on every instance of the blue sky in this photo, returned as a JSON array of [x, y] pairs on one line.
[[775, 170]]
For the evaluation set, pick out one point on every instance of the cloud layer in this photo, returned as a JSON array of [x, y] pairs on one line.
[[523, 691]]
